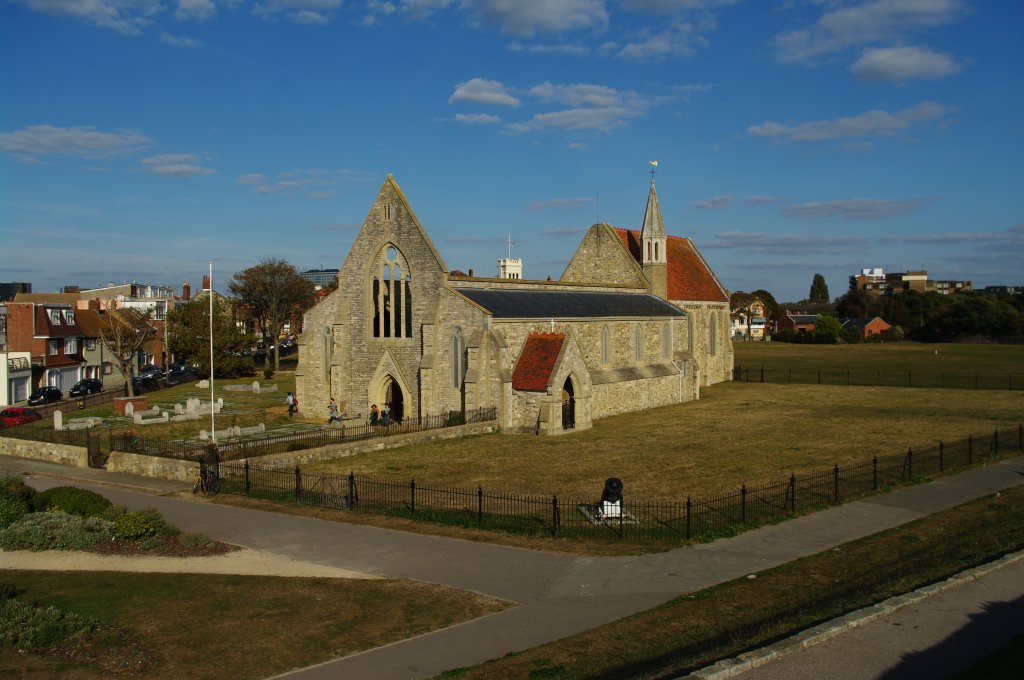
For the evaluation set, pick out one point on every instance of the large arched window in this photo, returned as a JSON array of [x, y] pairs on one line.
[[713, 335], [604, 345], [638, 340], [689, 333], [666, 340], [458, 358], [392, 296]]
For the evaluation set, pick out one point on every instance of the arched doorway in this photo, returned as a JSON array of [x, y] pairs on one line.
[[568, 406], [394, 400]]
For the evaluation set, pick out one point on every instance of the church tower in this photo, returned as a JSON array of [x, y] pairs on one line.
[[652, 240]]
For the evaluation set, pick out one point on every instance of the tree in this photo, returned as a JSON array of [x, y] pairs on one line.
[[272, 292], [827, 329], [123, 333], [188, 336], [819, 290], [771, 306]]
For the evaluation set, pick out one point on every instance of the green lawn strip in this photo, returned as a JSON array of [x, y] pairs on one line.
[[695, 630], [197, 625]]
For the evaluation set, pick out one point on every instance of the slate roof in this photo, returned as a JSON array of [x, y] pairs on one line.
[[689, 277], [537, 361], [560, 304]]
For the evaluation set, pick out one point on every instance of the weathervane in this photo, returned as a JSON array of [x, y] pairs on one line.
[[510, 243], [654, 166]]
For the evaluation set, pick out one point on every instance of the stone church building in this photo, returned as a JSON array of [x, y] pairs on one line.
[[637, 320]]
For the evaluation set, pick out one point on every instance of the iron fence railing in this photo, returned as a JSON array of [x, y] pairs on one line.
[[878, 378], [693, 518]]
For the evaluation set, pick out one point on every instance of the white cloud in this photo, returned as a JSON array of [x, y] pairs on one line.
[[476, 118], [592, 107], [124, 16], [574, 50], [785, 244], [528, 17], [179, 41], [898, 64], [582, 94], [181, 165], [715, 203], [671, 6], [679, 39], [869, 123], [856, 208], [197, 10], [602, 119], [48, 140], [251, 179], [315, 183], [757, 199], [842, 27], [299, 11], [480, 91]]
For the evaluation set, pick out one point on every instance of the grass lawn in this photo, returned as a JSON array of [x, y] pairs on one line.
[[697, 629], [737, 433], [214, 626]]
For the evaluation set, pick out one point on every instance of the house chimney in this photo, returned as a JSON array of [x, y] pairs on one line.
[[471, 272], [206, 282], [186, 291]]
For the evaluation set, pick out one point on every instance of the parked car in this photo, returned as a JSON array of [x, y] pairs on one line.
[[86, 386], [143, 384], [151, 371], [45, 395], [12, 416], [177, 376]]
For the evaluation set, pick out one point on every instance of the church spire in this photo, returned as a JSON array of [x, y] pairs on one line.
[[652, 241]]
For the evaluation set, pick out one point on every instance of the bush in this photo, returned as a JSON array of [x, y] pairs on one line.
[[134, 525], [13, 506], [71, 500], [27, 626], [268, 373], [195, 541], [55, 531], [17, 485]]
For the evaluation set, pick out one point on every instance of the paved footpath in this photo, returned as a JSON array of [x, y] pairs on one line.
[[558, 595]]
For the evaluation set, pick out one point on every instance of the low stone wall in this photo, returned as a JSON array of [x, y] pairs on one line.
[[292, 459], [156, 467], [74, 456]]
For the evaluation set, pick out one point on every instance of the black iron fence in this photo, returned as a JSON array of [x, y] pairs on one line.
[[879, 378], [260, 445], [694, 518]]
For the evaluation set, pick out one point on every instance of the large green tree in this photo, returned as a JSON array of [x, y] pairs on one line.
[[272, 292], [188, 336], [819, 290]]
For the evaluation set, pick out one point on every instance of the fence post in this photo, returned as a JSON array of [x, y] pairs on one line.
[[910, 379], [970, 449], [995, 439], [819, 376], [878, 378], [792, 492], [743, 503], [480, 504], [942, 451], [298, 484], [762, 374], [1020, 436], [910, 463], [555, 519], [835, 482], [847, 377], [791, 376], [975, 381], [412, 495], [874, 473], [689, 517], [351, 490], [942, 379], [247, 483]]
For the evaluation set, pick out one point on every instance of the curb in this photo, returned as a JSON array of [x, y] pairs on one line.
[[728, 668]]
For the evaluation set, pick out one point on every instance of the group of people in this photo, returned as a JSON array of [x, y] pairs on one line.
[[382, 416]]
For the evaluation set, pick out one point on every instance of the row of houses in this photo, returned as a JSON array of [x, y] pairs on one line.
[[54, 339]]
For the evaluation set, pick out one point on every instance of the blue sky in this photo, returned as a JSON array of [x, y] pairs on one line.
[[142, 138]]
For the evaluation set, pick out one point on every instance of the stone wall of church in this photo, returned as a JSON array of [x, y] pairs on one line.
[[714, 359], [601, 258], [313, 386], [636, 395]]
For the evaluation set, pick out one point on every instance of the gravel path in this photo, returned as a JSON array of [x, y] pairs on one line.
[[242, 562]]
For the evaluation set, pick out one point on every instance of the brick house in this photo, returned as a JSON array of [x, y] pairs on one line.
[[637, 320], [798, 322], [869, 327], [49, 332]]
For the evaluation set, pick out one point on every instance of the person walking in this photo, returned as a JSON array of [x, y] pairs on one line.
[[332, 412], [293, 404]]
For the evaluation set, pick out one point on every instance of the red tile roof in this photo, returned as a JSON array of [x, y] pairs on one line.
[[537, 360], [689, 277]]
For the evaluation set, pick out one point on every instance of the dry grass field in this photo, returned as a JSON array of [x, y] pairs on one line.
[[737, 433]]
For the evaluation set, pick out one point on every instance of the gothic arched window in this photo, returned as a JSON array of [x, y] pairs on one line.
[[459, 358], [713, 335], [638, 332], [392, 296], [604, 345]]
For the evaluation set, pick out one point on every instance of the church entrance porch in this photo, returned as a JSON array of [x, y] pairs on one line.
[[394, 400]]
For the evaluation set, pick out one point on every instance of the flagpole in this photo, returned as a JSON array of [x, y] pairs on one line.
[[213, 422]]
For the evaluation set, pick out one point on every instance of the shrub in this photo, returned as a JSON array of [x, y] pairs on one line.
[[195, 541], [268, 373], [135, 525], [17, 485], [26, 626], [71, 500], [13, 506], [55, 531]]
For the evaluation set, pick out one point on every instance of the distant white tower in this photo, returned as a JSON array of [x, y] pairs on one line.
[[509, 268]]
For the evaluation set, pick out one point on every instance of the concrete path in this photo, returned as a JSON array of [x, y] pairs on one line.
[[559, 595]]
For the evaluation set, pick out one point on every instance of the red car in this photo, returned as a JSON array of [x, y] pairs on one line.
[[18, 415]]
